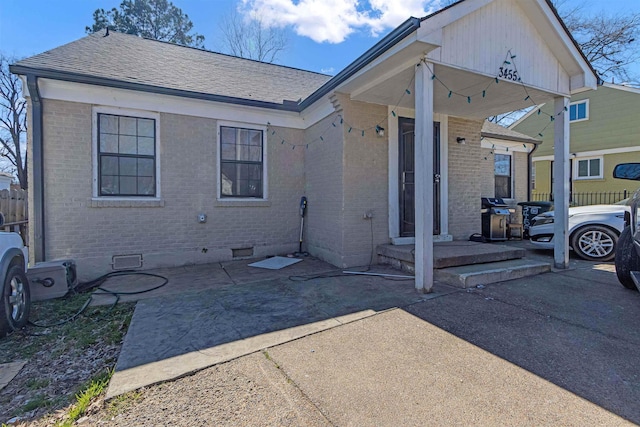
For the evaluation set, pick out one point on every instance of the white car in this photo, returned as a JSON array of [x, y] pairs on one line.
[[15, 302], [593, 230]]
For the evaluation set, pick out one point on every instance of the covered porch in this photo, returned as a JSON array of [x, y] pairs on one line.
[[467, 62]]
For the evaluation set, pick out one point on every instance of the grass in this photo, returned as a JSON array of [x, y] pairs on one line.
[[104, 324], [95, 387], [64, 333], [121, 403]]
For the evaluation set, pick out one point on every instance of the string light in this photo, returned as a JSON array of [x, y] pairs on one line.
[[451, 93]]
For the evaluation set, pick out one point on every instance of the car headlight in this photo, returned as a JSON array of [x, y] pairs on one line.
[[542, 219]]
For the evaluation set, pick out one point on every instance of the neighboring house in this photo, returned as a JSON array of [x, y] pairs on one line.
[[5, 181], [604, 132], [132, 141]]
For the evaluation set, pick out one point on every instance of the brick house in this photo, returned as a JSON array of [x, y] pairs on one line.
[[131, 140]]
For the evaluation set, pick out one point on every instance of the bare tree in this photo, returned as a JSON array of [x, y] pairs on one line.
[[609, 42], [251, 39], [13, 123]]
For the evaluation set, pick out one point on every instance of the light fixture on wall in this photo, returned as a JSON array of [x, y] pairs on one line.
[[379, 130], [461, 140]]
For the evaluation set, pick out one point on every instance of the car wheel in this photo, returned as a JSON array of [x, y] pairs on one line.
[[594, 243], [627, 259], [16, 301]]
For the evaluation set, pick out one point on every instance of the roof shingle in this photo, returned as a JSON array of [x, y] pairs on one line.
[[133, 59]]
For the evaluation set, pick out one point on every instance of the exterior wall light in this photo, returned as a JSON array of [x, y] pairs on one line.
[[461, 140], [379, 130]]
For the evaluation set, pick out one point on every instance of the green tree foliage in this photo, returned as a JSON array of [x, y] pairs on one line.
[[154, 19]]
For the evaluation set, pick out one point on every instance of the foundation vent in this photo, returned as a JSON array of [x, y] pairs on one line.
[[242, 252], [126, 262]]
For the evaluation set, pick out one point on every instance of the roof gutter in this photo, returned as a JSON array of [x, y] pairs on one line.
[[119, 84], [390, 40], [37, 183]]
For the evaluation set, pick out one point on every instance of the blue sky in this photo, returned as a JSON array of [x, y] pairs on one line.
[[326, 35]]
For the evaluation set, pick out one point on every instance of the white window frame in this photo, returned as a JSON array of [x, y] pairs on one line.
[[265, 181], [511, 170], [576, 168], [583, 101], [96, 150]]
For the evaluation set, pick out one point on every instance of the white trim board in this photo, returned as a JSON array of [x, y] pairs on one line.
[[123, 98], [595, 153]]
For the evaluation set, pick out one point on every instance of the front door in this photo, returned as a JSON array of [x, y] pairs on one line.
[[406, 144]]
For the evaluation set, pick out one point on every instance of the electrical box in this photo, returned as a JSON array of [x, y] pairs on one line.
[[52, 279]]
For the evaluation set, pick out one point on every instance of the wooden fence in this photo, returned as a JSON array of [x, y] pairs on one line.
[[13, 206]]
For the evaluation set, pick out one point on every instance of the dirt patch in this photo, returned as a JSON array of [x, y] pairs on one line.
[[62, 357]]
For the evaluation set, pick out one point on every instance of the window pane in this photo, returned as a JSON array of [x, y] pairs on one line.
[[502, 164], [503, 187], [146, 186], [128, 166], [108, 124], [146, 127], [573, 112], [109, 185], [243, 137], [128, 126], [255, 154], [228, 151], [108, 143], [583, 168], [594, 167], [128, 145], [244, 152], [255, 138], [582, 110], [146, 146], [227, 135], [146, 167], [128, 185], [109, 165]]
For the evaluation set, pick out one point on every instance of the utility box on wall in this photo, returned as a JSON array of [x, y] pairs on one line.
[[52, 279]]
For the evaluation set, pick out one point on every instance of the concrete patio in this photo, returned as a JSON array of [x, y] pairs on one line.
[[551, 349]]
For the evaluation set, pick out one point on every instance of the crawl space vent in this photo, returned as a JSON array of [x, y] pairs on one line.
[[242, 252], [126, 262]]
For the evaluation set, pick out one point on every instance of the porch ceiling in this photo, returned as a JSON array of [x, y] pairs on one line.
[[499, 97]]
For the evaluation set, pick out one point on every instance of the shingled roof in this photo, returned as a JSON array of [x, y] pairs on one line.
[[492, 130], [171, 68]]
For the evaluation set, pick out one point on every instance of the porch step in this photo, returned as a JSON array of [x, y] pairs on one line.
[[449, 254], [467, 276]]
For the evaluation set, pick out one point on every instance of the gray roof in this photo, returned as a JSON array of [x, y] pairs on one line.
[[492, 130], [138, 61]]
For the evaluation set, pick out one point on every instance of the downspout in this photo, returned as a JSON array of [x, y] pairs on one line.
[[529, 169], [37, 183]]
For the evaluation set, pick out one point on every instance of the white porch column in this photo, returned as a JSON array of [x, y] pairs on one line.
[[424, 179], [561, 184]]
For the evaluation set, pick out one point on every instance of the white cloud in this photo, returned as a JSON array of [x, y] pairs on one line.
[[333, 21]]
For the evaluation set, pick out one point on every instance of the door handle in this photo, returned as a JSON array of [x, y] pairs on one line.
[[436, 178]]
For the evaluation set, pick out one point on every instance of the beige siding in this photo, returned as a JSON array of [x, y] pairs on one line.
[[324, 190], [365, 183], [169, 235], [487, 170], [521, 168], [464, 186]]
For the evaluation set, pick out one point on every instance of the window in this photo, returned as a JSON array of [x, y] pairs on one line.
[[126, 161], [533, 175], [502, 167], [588, 168], [579, 111], [241, 162]]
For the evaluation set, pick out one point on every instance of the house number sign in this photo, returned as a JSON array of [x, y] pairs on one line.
[[509, 74]]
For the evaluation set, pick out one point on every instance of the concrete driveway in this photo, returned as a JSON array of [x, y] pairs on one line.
[[560, 348]]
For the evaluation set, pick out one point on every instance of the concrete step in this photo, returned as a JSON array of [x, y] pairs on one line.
[[449, 254], [467, 276]]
